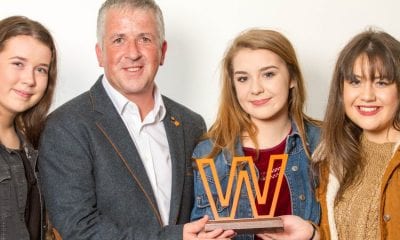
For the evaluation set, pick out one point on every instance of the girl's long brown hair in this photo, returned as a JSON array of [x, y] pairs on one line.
[[31, 121], [340, 139], [231, 119]]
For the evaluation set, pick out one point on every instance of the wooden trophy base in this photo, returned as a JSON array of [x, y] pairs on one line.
[[247, 225]]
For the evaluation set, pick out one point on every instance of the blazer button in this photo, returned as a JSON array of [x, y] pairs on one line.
[[295, 168], [302, 197], [386, 217]]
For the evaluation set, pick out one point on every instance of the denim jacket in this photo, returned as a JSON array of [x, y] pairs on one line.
[[297, 173]]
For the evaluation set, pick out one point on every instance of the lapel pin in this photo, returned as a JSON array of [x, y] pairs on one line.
[[176, 122]]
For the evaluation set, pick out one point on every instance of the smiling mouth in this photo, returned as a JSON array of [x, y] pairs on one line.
[[260, 102], [367, 110], [133, 69], [23, 94]]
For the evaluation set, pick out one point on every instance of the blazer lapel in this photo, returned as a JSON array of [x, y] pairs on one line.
[[176, 142], [114, 129]]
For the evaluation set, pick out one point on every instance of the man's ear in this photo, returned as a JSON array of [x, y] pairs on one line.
[[163, 52], [99, 54]]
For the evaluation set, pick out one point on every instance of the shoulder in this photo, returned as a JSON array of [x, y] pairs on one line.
[[203, 148], [79, 104], [313, 131], [83, 105], [70, 114], [312, 128]]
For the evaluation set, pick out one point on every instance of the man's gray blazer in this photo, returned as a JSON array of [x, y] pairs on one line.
[[94, 183]]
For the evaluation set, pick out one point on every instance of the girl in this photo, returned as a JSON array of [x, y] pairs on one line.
[[359, 166], [28, 70], [261, 114]]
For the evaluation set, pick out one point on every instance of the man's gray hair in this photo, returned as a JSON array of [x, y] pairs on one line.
[[129, 4]]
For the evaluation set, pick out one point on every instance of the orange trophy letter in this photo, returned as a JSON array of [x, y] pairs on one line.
[[258, 224]]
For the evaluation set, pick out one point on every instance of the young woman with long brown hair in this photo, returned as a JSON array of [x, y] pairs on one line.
[[261, 113], [359, 157], [28, 70]]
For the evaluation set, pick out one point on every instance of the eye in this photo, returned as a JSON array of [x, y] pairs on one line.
[[241, 78], [18, 64], [42, 70], [353, 81], [382, 82], [269, 74], [145, 39], [118, 40]]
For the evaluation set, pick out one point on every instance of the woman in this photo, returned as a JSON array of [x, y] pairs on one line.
[[28, 69], [360, 166], [260, 115]]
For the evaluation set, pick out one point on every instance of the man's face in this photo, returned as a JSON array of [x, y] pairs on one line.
[[131, 51]]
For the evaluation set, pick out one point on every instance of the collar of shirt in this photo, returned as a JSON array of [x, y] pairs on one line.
[[124, 105]]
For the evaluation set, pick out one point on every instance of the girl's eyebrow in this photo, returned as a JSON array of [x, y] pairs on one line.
[[260, 70], [18, 58]]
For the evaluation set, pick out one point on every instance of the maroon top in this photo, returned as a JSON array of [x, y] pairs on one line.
[[283, 206]]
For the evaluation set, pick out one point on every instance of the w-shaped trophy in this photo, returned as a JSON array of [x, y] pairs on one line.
[[257, 224]]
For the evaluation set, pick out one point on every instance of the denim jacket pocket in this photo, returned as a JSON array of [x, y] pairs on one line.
[[203, 205], [4, 175], [5, 178]]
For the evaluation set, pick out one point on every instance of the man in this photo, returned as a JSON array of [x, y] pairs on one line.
[[116, 161]]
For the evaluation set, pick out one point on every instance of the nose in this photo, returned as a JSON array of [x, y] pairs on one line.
[[368, 92], [28, 78], [133, 51], [256, 87]]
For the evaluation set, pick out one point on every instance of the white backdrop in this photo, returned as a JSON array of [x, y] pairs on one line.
[[198, 33]]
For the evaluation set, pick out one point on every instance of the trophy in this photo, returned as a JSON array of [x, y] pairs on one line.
[[259, 223]]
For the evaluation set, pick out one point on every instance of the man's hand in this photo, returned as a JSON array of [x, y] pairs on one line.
[[195, 231]]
